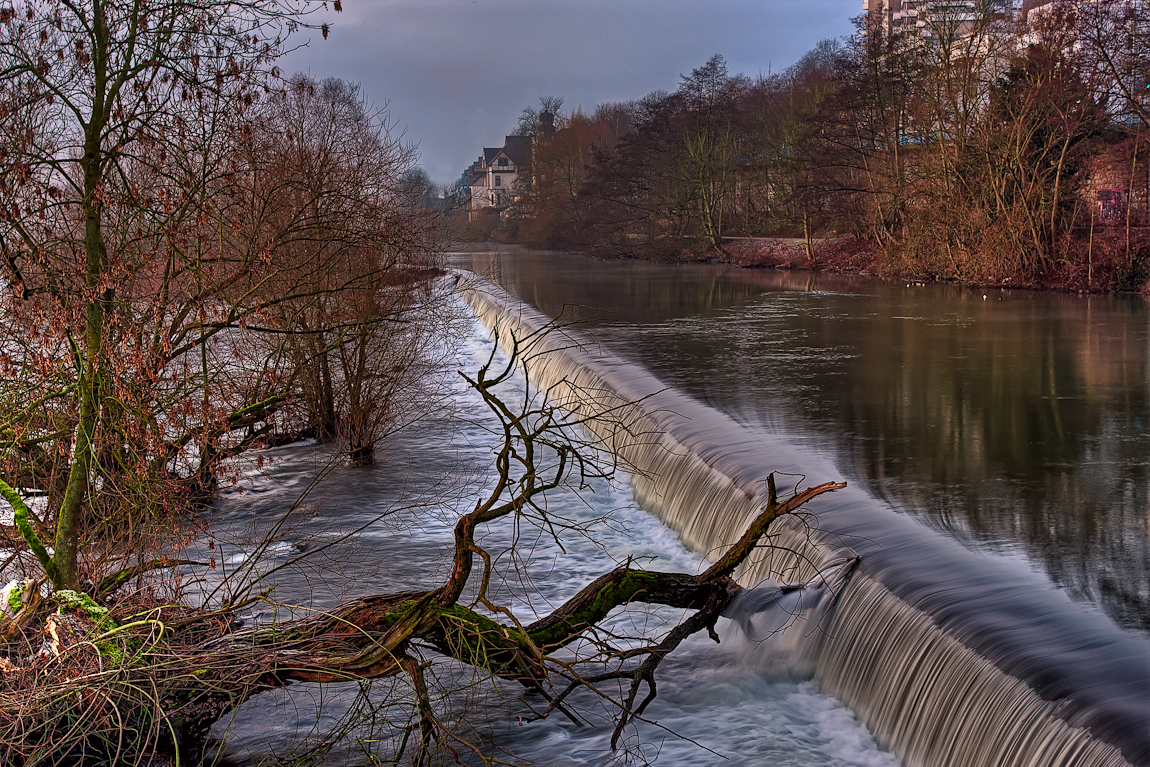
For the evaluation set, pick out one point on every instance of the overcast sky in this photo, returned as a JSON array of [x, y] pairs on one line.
[[455, 74]]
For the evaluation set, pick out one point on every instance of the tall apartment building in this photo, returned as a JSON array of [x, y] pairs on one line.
[[930, 18]]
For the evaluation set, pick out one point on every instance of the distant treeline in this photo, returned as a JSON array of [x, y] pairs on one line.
[[979, 149]]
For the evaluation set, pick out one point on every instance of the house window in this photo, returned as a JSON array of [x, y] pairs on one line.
[[503, 162], [498, 180]]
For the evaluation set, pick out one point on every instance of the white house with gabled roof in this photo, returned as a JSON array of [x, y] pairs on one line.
[[495, 175]]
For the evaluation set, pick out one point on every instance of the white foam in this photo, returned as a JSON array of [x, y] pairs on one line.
[[752, 713]]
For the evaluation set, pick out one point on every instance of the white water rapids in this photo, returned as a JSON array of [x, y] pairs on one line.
[[740, 702], [954, 658]]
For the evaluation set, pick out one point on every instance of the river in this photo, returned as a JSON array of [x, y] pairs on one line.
[[733, 703], [1015, 424]]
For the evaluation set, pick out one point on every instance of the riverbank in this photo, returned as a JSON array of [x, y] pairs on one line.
[[1105, 271]]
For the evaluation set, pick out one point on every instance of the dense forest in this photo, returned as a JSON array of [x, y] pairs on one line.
[[983, 148]]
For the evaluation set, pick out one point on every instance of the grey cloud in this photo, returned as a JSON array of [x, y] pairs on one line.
[[456, 73]]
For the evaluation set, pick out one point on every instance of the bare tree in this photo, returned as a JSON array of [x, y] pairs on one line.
[[533, 122], [199, 665], [109, 113], [337, 192], [159, 262], [551, 211]]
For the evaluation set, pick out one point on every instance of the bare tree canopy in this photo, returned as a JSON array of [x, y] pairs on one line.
[[184, 242], [891, 152]]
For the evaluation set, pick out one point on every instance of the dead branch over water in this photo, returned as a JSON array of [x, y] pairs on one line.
[[144, 681]]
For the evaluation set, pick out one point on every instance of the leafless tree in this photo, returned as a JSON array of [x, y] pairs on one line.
[[179, 670]]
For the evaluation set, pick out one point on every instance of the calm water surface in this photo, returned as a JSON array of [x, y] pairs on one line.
[[1017, 422]]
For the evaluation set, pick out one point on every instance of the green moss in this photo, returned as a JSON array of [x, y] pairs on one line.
[[121, 648], [15, 600], [633, 583], [479, 623], [478, 640], [114, 649], [20, 514], [615, 594], [112, 652], [75, 600]]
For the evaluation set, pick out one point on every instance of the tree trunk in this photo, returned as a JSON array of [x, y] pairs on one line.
[[201, 665], [807, 238], [89, 355], [361, 455], [371, 637]]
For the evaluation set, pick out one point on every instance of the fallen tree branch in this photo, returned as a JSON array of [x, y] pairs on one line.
[[203, 663]]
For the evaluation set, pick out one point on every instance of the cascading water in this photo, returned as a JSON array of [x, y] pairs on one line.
[[950, 657], [732, 703]]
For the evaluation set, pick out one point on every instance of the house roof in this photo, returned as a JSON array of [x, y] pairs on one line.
[[518, 148]]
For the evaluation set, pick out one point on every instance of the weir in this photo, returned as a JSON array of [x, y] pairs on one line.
[[949, 656]]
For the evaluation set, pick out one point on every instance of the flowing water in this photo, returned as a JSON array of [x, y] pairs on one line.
[[997, 453], [955, 648], [735, 703]]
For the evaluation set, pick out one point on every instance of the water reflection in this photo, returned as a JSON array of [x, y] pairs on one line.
[[1015, 420]]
